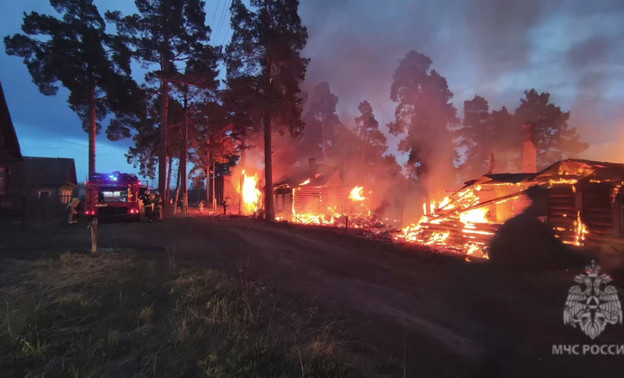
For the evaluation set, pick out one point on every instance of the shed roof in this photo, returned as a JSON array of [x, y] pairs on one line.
[[319, 175], [578, 169], [44, 171], [582, 169], [9, 145]]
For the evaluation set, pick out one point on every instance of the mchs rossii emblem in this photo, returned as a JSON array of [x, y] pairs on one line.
[[593, 303]]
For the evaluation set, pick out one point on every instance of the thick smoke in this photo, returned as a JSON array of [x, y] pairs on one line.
[[494, 49], [486, 47]]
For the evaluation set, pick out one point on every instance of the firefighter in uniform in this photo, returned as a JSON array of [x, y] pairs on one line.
[[72, 211], [146, 198], [157, 206]]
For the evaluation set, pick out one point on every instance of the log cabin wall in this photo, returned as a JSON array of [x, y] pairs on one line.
[[318, 200], [597, 213], [562, 212]]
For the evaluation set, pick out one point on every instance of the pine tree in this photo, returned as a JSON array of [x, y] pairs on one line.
[[554, 139], [321, 123], [165, 33], [265, 51], [367, 127], [76, 52], [423, 116]]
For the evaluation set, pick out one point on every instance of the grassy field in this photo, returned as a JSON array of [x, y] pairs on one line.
[[130, 314]]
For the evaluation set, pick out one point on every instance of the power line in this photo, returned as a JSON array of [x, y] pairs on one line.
[[215, 27], [222, 13], [215, 13], [228, 36]]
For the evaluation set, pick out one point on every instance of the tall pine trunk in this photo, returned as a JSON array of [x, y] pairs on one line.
[[268, 168], [182, 169], [177, 195], [168, 185], [208, 178], [214, 184], [242, 176], [162, 153], [269, 209], [92, 131]]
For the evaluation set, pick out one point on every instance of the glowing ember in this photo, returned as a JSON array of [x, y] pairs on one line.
[[356, 194], [251, 194], [474, 216], [438, 237], [563, 181], [306, 182], [446, 202]]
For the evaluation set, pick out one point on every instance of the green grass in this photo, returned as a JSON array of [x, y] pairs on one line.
[[131, 315]]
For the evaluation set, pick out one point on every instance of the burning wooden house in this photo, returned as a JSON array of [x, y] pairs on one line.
[[585, 207], [316, 194]]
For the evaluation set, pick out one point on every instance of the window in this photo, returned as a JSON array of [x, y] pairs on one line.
[[45, 194], [112, 194]]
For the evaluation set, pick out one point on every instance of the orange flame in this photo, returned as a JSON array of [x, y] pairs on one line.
[[581, 230], [477, 215], [356, 194], [251, 194]]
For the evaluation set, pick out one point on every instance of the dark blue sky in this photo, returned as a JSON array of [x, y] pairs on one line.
[[497, 49]]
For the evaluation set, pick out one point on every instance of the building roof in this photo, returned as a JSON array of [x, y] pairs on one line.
[[495, 178], [318, 175], [54, 172], [577, 169], [582, 169], [9, 145]]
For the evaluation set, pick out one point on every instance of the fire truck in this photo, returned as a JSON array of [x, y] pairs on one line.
[[113, 194]]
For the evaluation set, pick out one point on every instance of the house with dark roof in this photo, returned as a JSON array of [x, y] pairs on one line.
[[10, 152], [43, 186], [34, 186]]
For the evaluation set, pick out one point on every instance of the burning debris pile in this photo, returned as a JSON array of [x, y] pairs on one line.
[[585, 208], [461, 222]]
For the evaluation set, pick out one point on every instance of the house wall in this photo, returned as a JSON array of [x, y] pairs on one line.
[[563, 212], [48, 202], [593, 202], [598, 213], [283, 200], [318, 200]]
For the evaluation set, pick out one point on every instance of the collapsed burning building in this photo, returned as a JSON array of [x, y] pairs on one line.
[[585, 208]]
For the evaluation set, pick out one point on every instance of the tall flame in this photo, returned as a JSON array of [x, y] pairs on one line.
[[251, 194], [580, 230]]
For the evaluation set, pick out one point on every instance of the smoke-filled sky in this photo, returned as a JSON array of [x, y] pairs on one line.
[[497, 49]]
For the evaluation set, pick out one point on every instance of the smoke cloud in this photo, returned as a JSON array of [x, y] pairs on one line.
[[487, 47]]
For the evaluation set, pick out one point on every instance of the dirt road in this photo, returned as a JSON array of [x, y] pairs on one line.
[[438, 315]]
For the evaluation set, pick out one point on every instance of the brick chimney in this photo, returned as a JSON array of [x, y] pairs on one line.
[[529, 152], [491, 164]]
